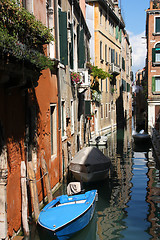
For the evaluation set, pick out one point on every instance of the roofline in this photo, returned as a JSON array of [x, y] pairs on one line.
[[112, 14]]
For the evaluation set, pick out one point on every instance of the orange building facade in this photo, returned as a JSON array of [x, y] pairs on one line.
[[28, 116]]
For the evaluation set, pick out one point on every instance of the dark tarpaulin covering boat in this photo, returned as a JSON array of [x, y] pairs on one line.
[[89, 165]]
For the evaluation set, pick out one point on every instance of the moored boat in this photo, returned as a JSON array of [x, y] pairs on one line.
[[98, 141], [90, 165], [141, 137], [66, 215]]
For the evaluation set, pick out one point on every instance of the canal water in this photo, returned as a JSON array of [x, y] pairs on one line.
[[128, 204]]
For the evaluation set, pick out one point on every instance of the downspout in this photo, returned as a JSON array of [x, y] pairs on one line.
[[58, 81]]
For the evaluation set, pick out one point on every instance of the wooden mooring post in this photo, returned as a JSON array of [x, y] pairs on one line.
[[46, 179], [33, 189], [24, 199]]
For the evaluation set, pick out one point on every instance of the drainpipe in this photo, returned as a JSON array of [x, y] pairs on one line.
[[58, 78], [3, 193]]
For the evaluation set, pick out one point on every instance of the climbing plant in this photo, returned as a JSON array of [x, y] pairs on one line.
[[22, 36]]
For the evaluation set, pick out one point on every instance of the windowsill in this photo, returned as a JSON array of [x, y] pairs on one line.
[[156, 63], [156, 34], [156, 93]]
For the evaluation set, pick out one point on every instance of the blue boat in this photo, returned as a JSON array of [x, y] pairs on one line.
[[66, 215]]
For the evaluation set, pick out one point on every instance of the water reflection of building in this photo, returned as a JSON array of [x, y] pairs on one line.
[[111, 216], [153, 198]]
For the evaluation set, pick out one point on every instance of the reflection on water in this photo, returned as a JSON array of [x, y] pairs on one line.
[[128, 206]]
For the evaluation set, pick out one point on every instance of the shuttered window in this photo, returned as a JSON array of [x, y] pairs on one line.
[[63, 37], [53, 123], [156, 55], [128, 87], [101, 54], [117, 32], [71, 49], [81, 48], [123, 85], [123, 64], [157, 25], [87, 108], [156, 84], [112, 55], [120, 35], [106, 53]]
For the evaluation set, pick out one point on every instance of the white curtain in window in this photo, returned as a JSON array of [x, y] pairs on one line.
[[157, 57], [157, 84]]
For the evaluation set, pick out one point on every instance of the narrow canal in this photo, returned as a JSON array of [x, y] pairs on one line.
[[128, 205]]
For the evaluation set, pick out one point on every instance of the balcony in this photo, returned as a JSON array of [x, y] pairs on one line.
[[114, 69]]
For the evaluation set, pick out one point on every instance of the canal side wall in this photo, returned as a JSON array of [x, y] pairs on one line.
[[155, 138]]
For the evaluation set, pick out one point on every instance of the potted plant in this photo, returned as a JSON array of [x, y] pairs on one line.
[[76, 78]]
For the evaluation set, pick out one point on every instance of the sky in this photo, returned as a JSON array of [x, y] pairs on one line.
[[134, 15]]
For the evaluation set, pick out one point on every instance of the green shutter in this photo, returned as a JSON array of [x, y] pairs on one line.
[[120, 35], [81, 49], [117, 32], [153, 54], [71, 49], [123, 85], [123, 64], [153, 84], [87, 108], [128, 87], [63, 37], [157, 24]]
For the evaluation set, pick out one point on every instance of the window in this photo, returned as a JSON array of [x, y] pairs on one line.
[[80, 47], [156, 84], [100, 16], [111, 27], [63, 119], [157, 24], [112, 55], [24, 3], [117, 32], [123, 64], [59, 3], [101, 110], [109, 55], [128, 87], [156, 53], [28, 4], [106, 85], [116, 58], [106, 110], [72, 116], [106, 53], [106, 22], [101, 58], [63, 38], [53, 122], [123, 85], [109, 110]]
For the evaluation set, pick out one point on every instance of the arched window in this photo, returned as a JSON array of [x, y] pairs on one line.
[[157, 45], [156, 54]]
